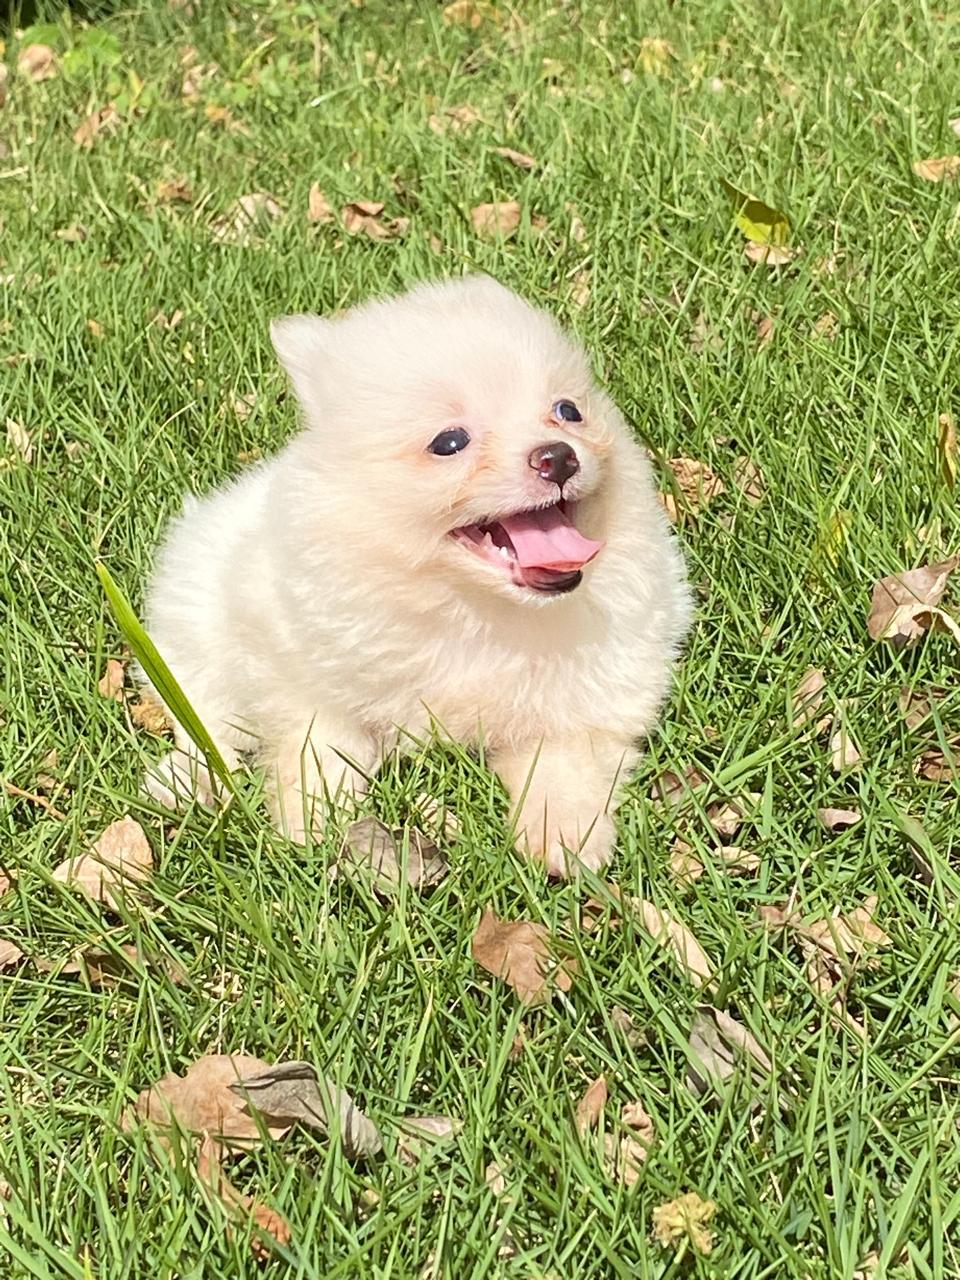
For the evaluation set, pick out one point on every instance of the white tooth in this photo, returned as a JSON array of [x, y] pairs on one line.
[[504, 552]]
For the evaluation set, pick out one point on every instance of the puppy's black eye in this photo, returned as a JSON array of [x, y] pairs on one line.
[[448, 442], [566, 411]]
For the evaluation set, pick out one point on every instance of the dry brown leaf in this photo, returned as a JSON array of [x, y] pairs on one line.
[[164, 321], [696, 481], [171, 189], [272, 1227], [250, 214], [904, 605], [96, 328], [826, 327], [937, 766], [580, 289], [682, 1223], [670, 788], [420, 1134], [494, 1178], [717, 1046], [497, 220], [435, 815], [727, 817], [519, 158], [372, 845], [364, 216], [104, 967], [202, 1101], [635, 1117], [469, 13], [102, 121], [455, 119], [673, 935], [150, 715], [916, 706], [10, 954], [807, 697], [18, 439], [626, 1026], [294, 1092], [37, 62], [766, 327], [518, 951], [197, 76], [844, 752], [119, 859], [748, 478], [624, 1156], [110, 684], [703, 337], [838, 819], [684, 865], [769, 255], [937, 168], [319, 208], [243, 405], [590, 1107]]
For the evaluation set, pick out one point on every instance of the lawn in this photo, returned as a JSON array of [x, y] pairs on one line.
[[136, 366]]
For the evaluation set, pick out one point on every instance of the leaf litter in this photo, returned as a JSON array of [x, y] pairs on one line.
[[590, 1107], [905, 606], [119, 861], [718, 1046], [520, 953], [370, 845], [497, 220]]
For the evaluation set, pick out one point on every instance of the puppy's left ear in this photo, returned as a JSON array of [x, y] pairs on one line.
[[300, 342]]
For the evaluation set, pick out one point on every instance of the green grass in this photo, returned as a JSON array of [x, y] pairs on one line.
[[822, 109]]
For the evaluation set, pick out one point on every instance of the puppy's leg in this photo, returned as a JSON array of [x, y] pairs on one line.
[[325, 762], [563, 793], [181, 776]]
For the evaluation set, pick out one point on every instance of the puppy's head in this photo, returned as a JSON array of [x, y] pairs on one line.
[[456, 431]]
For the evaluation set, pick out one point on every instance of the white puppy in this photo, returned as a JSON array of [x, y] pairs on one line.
[[464, 537]]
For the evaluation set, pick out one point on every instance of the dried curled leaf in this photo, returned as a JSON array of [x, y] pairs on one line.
[[272, 1228], [10, 954], [419, 1135], [696, 481], [250, 215], [319, 208], [98, 122], [769, 255], [289, 1092], [838, 819], [807, 696], [682, 1223], [590, 1107], [904, 605], [748, 478], [365, 217], [18, 440], [519, 158], [675, 936], [498, 220], [370, 844], [937, 168], [110, 684], [518, 951], [718, 1045], [37, 62], [149, 714], [120, 859]]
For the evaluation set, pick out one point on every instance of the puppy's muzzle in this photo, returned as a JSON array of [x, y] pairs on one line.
[[556, 462]]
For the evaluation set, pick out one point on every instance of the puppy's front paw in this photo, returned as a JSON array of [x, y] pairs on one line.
[[179, 779], [565, 842]]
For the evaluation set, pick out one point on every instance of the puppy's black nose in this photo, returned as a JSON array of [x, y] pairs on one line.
[[556, 462]]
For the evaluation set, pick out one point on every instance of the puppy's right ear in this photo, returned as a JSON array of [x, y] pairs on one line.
[[300, 342]]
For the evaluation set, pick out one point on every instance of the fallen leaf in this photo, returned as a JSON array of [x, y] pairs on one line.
[[371, 844], [904, 606], [916, 706], [102, 121], [495, 1181], [937, 766], [844, 752], [769, 255], [626, 1026], [468, 13], [110, 684], [518, 952], [719, 1046], [580, 289], [838, 819], [243, 405], [5, 883], [684, 865], [590, 1107], [119, 859], [18, 439], [948, 452], [519, 158], [673, 935], [696, 481], [455, 119], [624, 1155], [727, 817], [251, 213], [76, 233], [104, 967], [762, 225], [319, 208], [766, 327], [703, 337], [807, 697], [218, 115], [635, 1117], [364, 216], [682, 1223], [203, 1100], [655, 55], [293, 1092], [826, 327], [937, 168], [670, 789], [37, 62], [150, 715], [95, 328], [748, 478], [197, 76], [420, 1134], [164, 321], [239, 1206], [435, 815], [497, 220], [171, 189], [10, 954]]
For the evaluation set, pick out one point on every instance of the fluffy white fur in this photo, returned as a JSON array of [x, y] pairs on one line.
[[317, 607]]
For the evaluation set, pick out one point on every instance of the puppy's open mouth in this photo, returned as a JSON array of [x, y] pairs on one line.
[[541, 549]]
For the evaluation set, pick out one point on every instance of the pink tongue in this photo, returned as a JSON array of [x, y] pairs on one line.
[[547, 540]]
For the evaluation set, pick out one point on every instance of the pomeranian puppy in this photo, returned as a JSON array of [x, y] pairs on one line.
[[464, 538]]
